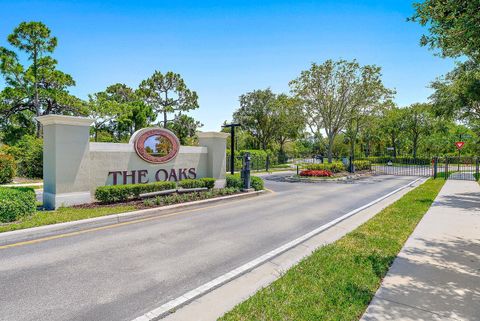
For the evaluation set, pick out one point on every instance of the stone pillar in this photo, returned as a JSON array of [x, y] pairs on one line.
[[216, 143], [66, 160]]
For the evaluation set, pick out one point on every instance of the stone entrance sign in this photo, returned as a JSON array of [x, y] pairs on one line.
[[74, 167]]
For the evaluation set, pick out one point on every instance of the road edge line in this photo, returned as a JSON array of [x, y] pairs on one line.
[[170, 306]]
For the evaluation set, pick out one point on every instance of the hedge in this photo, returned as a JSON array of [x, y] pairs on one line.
[[16, 203], [335, 167], [361, 165], [400, 160], [258, 158], [8, 169], [122, 193], [235, 181], [197, 183]]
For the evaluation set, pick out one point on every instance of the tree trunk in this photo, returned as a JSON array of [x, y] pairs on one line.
[[35, 86], [281, 153], [394, 145], [415, 146], [352, 148], [164, 119], [331, 137]]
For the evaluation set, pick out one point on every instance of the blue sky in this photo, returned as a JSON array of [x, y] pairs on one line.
[[226, 48]]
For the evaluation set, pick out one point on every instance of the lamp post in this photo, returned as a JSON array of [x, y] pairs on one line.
[[232, 145]]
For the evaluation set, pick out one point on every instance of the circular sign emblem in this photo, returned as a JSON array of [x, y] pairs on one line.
[[157, 145]]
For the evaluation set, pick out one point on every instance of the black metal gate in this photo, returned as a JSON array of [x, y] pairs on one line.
[[402, 166], [447, 167], [459, 168]]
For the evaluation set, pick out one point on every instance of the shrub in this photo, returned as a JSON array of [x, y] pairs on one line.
[[280, 166], [256, 183], [8, 168], [362, 165], [122, 193], [237, 160], [235, 181], [187, 197], [335, 167], [209, 182], [191, 183], [316, 173], [28, 153], [16, 203]]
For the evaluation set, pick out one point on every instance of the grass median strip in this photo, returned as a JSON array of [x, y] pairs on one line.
[[338, 281]]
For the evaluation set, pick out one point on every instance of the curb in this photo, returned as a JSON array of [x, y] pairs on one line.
[[7, 238]]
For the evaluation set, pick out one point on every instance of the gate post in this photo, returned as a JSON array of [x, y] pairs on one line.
[[435, 167], [446, 168], [476, 169]]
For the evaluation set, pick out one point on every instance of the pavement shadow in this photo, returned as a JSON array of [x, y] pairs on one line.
[[440, 279], [468, 201]]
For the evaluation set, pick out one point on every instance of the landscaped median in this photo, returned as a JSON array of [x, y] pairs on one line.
[[112, 200], [338, 280], [329, 171]]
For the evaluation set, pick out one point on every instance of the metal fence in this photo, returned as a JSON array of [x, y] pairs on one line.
[[447, 167], [401, 166], [460, 168]]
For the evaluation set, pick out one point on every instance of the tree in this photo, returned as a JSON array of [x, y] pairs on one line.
[[333, 92], [392, 126], [457, 95], [370, 135], [39, 88], [103, 109], [168, 94], [371, 97], [134, 116], [290, 122], [185, 127], [453, 25], [417, 121], [34, 39], [258, 115], [119, 110]]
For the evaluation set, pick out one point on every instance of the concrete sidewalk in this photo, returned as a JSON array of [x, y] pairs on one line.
[[436, 276]]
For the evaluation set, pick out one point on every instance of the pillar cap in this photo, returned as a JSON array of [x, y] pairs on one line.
[[64, 120], [212, 135]]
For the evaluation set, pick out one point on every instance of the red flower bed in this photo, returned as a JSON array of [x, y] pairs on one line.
[[316, 173]]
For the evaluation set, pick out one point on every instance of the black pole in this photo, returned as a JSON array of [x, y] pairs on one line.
[[232, 146], [232, 150]]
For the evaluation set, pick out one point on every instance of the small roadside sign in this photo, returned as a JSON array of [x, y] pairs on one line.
[[459, 145], [390, 148]]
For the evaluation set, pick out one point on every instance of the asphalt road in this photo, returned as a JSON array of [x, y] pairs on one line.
[[124, 272]]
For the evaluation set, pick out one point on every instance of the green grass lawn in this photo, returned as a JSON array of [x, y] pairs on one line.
[[30, 186], [338, 281], [62, 215]]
